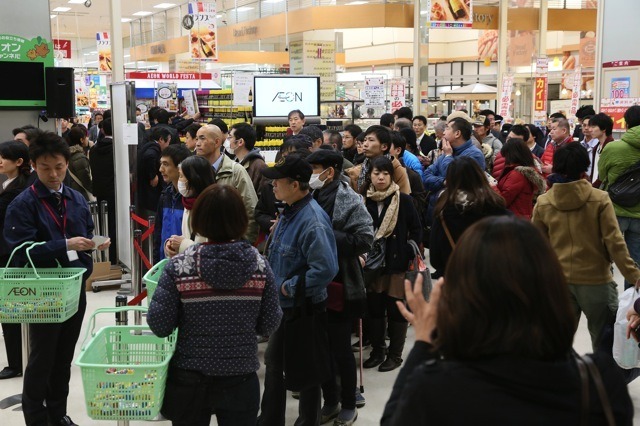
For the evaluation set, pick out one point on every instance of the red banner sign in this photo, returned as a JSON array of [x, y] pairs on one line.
[[168, 76], [62, 48], [540, 96]]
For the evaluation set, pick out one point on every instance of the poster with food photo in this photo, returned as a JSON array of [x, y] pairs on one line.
[[450, 13], [104, 51], [203, 40], [488, 45]]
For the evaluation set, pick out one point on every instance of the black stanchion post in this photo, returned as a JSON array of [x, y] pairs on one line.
[[121, 317]]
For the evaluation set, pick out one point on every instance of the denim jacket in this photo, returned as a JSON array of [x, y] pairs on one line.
[[303, 241]]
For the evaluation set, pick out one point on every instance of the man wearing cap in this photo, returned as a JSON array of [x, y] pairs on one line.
[[303, 247], [209, 139], [353, 230], [491, 145]]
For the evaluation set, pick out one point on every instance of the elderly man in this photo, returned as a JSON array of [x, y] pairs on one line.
[[302, 250], [560, 134], [209, 140]]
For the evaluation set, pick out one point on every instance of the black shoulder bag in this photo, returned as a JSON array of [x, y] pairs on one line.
[[625, 191]]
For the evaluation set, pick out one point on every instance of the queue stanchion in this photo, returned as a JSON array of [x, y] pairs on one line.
[[104, 228], [121, 317], [152, 222], [136, 275], [93, 209]]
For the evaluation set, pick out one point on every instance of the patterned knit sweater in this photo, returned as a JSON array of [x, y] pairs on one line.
[[220, 296]]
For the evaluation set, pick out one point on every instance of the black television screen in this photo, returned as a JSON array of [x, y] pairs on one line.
[[23, 85]]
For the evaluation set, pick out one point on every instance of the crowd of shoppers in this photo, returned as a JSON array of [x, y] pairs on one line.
[[343, 219]]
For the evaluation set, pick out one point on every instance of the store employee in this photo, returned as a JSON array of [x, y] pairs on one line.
[[51, 212]]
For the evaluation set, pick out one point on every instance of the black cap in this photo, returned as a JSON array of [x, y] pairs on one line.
[[326, 158], [292, 166]]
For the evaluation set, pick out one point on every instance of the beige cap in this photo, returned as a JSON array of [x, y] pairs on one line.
[[459, 114]]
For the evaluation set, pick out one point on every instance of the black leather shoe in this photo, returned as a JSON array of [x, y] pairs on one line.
[[9, 373], [66, 421]]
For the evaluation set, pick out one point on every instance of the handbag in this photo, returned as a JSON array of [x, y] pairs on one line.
[[335, 296], [625, 191], [306, 343], [88, 195], [625, 351], [376, 257], [586, 368], [416, 267]]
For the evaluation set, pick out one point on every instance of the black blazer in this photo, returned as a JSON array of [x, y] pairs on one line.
[[6, 197]]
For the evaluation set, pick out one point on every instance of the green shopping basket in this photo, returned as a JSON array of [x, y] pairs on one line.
[[45, 295], [152, 277], [124, 369]]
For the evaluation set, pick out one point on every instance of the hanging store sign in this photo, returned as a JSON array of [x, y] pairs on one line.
[[450, 13], [168, 76], [374, 91], [575, 91], [62, 49], [104, 51], [540, 92], [398, 94], [203, 40], [505, 98]]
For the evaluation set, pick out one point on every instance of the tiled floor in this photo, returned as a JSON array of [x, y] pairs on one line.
[[377, 385]]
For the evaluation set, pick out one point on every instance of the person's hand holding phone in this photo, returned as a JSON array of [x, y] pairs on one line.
[[422, 315], [633, 324]]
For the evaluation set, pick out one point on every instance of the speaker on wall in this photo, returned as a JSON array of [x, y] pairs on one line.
[[60, 90]]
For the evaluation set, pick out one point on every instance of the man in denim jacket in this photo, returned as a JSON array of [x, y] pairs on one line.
[[302, 243]]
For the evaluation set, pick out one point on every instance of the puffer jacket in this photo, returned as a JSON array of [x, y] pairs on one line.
[[615, 159], [584, 232], [80, 167], [547, 157], [220, 296], [518, 185]]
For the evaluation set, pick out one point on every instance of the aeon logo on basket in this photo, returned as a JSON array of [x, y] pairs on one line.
[[288, 97], [22, 291]]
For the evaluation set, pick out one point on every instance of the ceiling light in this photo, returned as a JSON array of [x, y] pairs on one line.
[[142, 13], [423, 12], [272, 1], [164, 5], [126, 20], [61, 9], [244, 9], [52, 16], [218, 16], [355, 3], [76, 1], [93, 52]]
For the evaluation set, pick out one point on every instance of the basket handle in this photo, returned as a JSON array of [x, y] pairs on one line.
[[28, 257], [92, 319]]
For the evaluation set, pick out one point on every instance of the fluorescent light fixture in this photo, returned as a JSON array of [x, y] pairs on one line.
[[164, 5], [142, 13], [92, 62], [76, 1], [218, 16], [126, 20], [87, 54], [423, 12], [61, 9], [93, 52], [52, 16], [244, 9], [355, 3], [272, 1]]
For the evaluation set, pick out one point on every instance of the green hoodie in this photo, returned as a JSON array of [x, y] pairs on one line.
[[615, 159]]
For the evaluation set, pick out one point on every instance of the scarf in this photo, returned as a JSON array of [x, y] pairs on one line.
[[188, 202], [390, 219]]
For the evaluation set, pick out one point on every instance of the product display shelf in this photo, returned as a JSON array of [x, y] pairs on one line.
[[219, 104]]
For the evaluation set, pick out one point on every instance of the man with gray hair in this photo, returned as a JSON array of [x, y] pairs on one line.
[[401, 123]]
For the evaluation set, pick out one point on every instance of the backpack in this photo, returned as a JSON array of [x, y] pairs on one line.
[[625, 191]]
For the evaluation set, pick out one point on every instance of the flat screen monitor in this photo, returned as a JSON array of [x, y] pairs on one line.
[[23, 85], [276, 96]]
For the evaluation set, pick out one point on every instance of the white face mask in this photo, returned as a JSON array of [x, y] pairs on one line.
[[182, 189], [227, 147], [315, 182]]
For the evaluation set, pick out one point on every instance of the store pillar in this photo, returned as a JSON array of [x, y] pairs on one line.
[[420, 59]]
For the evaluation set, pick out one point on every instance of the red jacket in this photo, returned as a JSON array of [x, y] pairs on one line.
[[518, 185], [547, 157], [498, 166]]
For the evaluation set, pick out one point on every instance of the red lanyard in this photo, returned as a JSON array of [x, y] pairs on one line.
[[60, 226]]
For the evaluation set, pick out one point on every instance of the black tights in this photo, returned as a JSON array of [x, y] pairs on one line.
[[380, 303]]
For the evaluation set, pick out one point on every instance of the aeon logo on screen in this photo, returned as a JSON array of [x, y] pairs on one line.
[[288, 97]]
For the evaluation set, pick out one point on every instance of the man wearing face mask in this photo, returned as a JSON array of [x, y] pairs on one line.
[[353, 229]]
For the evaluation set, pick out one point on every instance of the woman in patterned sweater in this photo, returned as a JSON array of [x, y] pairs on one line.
[[220, 295]]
